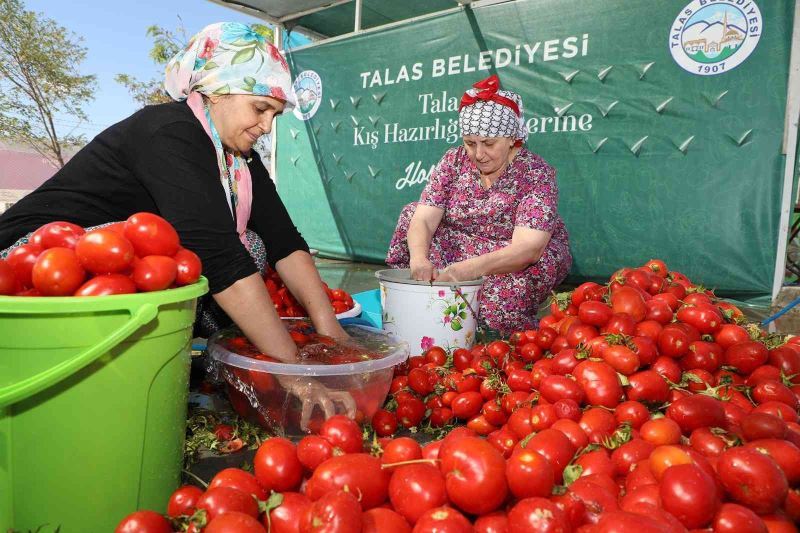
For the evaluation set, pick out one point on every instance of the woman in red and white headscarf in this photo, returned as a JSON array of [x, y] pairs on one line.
[[490, 209]]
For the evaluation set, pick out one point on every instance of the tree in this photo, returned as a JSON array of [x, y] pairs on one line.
[[39, 61], [166, 44]]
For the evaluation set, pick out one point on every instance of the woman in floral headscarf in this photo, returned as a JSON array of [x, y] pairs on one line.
[[490, 209], [191, 161]]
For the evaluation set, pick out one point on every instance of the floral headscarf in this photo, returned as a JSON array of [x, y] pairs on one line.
[[229, 58], [488, 111]]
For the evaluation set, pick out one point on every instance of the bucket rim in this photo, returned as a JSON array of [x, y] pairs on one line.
[[78, 304], [403, 276]]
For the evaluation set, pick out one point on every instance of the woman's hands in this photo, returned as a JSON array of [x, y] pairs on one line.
[[422, 269], [462, 271], [311, 393]]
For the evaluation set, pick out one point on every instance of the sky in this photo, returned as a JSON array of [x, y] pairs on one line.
[[114, 33]]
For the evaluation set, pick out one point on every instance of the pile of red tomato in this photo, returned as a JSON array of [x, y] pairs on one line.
[[287, 306], [142, 254], [645, 405]]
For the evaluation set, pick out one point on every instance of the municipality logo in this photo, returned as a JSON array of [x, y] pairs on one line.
[[711, 37], [308, 88]]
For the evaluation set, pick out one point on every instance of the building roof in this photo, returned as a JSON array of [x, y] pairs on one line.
[[22, 168]]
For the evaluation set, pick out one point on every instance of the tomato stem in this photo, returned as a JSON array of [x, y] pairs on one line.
[[412, 462], [196, 478]]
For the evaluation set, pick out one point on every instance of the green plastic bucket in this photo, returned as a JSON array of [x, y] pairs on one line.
[[93, 396]]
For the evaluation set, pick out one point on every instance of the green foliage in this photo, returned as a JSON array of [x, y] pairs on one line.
[[167, 43], [39, 80]]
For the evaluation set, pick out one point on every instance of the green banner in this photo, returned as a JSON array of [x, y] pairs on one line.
[[663, 119]]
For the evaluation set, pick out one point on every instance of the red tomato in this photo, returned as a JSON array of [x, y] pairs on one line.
[[236, 478], [475, 475], [336, 511], [545, 337], [313, 450], [537, 514], [382, 520], [415, 489], [746, 356], [660, 431], [752, 479], [730, 334], [287, 516], [529, 474], [234, 522], [107, 284], [690, 494], [626, 456], [658, 311], [733, 518], [597, 498], [667, 368], [57, 272], [621, 324], [621, 358], [787, 359], [631, 412], [599, 382], [358, 472], [703, 355], [629, 301], [554, 388], [648, 328], [183, 501], [442, 520], [705, 441], [57, 235], [384, 422], [189, 267], [554, 446], [154, 272], [400, 450], [144, 522], [647, 386], [598, 423], [21, 259], [774, 391], [104, 251], [784, 453], [410, 412], [496, 522], [673, 341], [625, 522], [276, 465], [8, 279], [707, 318], [467, 404], [696, 411], [151, 235], [223, 500], [594, 313], [462, 359]]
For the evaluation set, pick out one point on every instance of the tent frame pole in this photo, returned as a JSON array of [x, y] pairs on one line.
[[790, 150]]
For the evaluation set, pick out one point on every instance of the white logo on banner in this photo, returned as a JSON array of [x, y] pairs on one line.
[[711, 37], [308, 88]]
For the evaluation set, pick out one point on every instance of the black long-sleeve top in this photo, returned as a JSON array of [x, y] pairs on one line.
[[160, 160]]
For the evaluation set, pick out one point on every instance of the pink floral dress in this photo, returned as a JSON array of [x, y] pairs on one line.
[[478, 221]]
